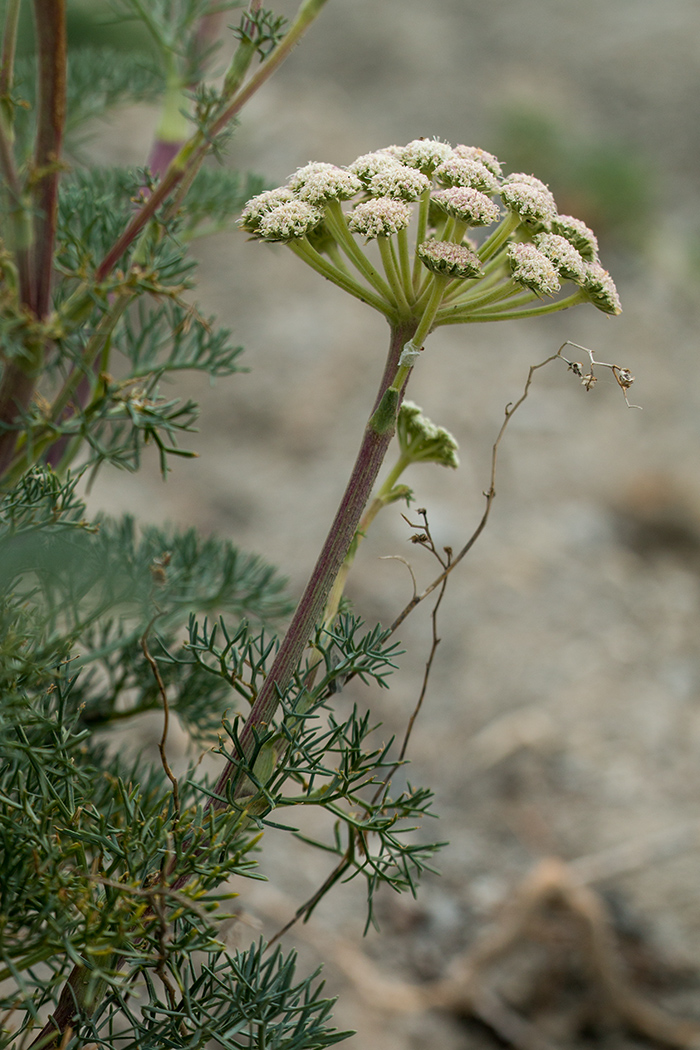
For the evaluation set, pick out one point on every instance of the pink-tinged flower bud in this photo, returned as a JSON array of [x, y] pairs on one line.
[[568, 261], [381, 217], [601, 289], [425, 154], [370, 164], [533, 269], [467, 205], [534, 205], [289, 221], [318, 183], [449, 259], [577, 233], [458, 172], [482, 156], [259, 206], [399, 181]]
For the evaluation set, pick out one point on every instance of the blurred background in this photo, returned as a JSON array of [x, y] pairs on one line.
[[563, 713]]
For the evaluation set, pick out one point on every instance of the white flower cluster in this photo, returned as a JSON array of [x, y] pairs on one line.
[[456, 189]]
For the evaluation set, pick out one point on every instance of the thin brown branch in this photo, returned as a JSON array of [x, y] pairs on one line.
[[304, 910], [166, 716], [199, 145], [9, 44], [490, 495], [50, 29]]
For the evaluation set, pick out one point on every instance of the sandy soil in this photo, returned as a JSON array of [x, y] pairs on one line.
[[563, 716]]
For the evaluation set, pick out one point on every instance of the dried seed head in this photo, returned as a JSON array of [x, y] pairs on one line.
[[400, 181], [425, 154], [456, 171], [533, 269], [259, 206], [567, 260], [380, 217], [624, 377], [534, 205], [449, 259], [480, 155], [601, 289], [289, 221], [318, 183], [468, 205], [577, 233]]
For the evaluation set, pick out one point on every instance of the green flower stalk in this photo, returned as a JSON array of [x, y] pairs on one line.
[[355, 226]]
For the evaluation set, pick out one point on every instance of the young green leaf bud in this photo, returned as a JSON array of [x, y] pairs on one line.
[[420, 440]]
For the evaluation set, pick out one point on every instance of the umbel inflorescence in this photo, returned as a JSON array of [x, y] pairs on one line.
[[457, 240]]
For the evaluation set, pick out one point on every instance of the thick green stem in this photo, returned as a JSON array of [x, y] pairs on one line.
[[333, 553], [383, 497]]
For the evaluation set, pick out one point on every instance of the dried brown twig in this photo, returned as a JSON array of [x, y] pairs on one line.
[[448, 563]]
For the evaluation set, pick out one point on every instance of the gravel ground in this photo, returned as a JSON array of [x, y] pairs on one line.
[[563, 715]]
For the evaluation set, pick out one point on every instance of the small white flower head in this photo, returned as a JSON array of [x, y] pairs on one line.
[[533, 269], [425, 154], [395, 152], [290, 221], [318, 183], [467, 205], [259, 206], [450, 259], [400, 181], [370, 164], [568, 261], [380, 217], [422, 441], [456, 171], [577, 233], [480, 155], [601, 289], [534, 205]]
